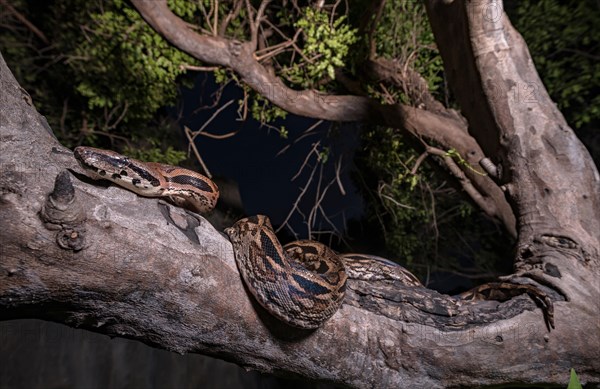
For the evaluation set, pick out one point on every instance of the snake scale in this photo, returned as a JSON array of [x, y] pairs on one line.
[[302, 283]]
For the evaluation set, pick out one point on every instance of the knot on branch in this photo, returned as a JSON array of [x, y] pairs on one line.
[[495, 171], [71, 238], [235, 47], [61, 211]]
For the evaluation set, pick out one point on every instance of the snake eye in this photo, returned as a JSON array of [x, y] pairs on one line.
[[117, 161]]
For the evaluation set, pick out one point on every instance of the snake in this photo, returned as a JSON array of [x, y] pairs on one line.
[[182, 187], [302, 284]]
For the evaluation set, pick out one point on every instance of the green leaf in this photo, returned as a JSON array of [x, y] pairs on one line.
[[574, 381]]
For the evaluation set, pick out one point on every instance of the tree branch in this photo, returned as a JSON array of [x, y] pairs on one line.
[[104, 259], [239, 56], [24, 20], [547, 173]]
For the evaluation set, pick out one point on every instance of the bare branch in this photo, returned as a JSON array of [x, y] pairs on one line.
[[338, 166], [212, 117], [192, 145], [118, 120], [235, 11], [457, 172], [215, 18], [109, 261], [198, 68], [24, 20], [255, 27]]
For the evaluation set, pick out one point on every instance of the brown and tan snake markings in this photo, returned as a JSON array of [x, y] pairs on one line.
[[183, 187], [302, 283]]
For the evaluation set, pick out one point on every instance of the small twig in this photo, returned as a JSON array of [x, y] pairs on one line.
[[216, 95], [319, 196], [333, 10], [311, 214], [116, 123], [217, 136], [112, 137], [206, 17], [214, 115], [188, 134], [296, 48], [63, 116], [26, 22], [396, 202], [252, 22], [243, 107], [380, 189], [257, 21], [313, 150], [338, 167], [389, 99], [230, 16], [216, 18], [276, 49], [297, 202], [465, 182], [198, 68], [373, 27], [307, 132], [434, 218], [418, 162]]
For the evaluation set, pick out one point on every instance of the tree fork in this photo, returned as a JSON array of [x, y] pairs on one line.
[[164, 276], [239, 56]]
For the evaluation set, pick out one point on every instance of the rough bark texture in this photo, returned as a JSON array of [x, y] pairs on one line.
[[103, 259]]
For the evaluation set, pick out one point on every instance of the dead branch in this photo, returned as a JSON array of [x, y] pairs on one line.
[[20, 17], [192, 144]]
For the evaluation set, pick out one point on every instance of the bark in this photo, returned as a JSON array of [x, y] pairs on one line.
[[101, 258], [443, 128], [548, 175]]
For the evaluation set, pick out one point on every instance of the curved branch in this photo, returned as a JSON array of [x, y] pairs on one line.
[[101, 258], [446, 130]]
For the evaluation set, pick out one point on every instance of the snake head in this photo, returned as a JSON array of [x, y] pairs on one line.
[[250, 226], [99, 160]]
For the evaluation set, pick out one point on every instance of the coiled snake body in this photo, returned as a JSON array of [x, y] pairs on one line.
[[302, 283]]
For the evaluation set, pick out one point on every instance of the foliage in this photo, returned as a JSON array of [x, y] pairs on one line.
[[564, 40], [156, 154], [574, 381], [265, 112], [106, 75], [104, 78], [412, 208], [326, 45], [426, 222], [403, 34], [147, 65]]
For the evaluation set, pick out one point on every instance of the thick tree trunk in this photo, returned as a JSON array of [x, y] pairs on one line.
[[103, 259]]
